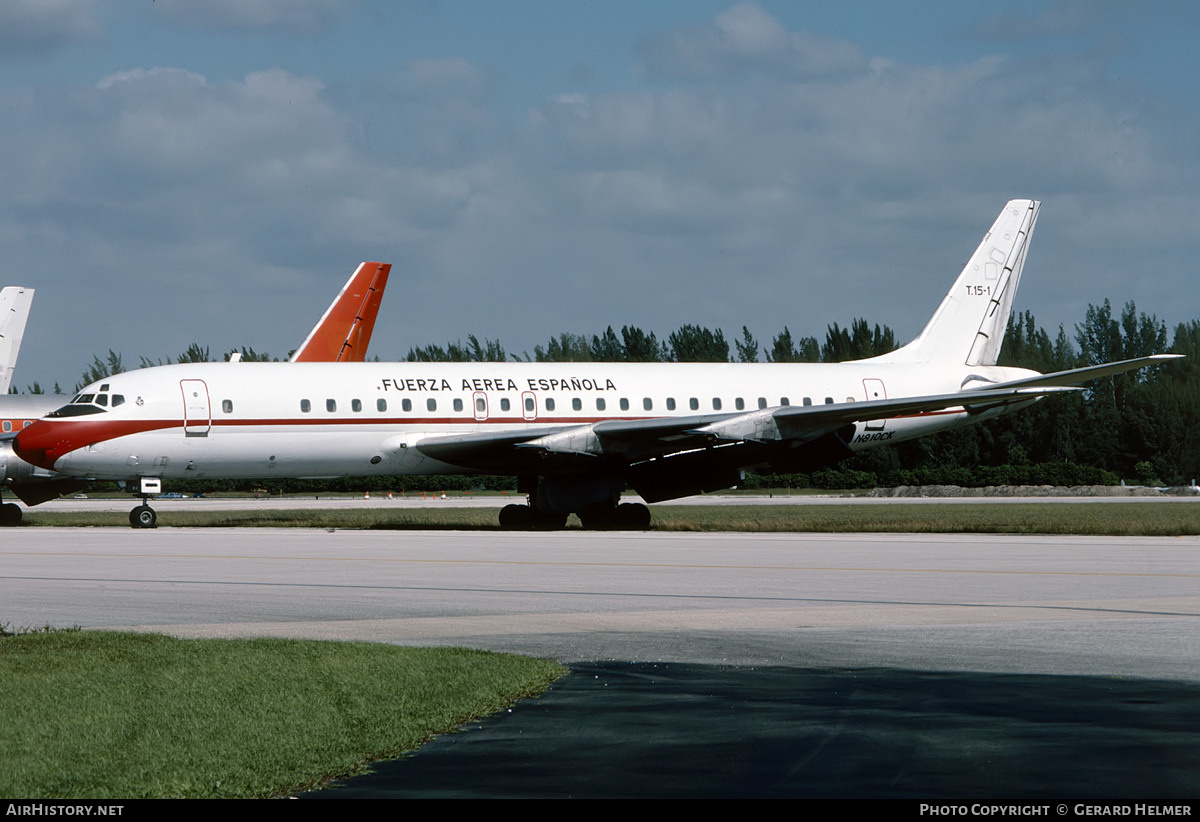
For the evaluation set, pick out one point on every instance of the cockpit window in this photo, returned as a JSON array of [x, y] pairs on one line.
[[84, 404], [76, 410]]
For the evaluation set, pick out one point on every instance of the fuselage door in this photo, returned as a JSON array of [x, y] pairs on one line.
[[875, 391], [481, 406], [196, 417], [528, 405]]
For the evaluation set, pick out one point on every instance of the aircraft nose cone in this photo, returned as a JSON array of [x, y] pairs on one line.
[[40, 445]]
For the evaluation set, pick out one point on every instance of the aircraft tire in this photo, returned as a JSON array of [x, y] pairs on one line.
[[633, 516], [10, 514], [143, 517], [516, 517]]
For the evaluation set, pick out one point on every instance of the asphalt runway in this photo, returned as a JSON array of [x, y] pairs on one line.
[[796, 664]]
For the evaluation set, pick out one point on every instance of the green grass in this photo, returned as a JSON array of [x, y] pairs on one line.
[[1090, 518], [111, 715]]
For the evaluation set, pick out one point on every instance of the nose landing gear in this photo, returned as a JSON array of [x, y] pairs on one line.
[[144, 516]]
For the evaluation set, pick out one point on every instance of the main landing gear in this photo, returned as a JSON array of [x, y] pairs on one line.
[[594, 498], [628, 516], [144, 516]]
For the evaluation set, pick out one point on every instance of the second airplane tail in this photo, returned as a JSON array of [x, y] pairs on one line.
[[968, 327], [342, 334]]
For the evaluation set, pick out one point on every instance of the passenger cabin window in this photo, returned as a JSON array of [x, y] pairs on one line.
[[549, 403], [381, 405], [458, 404], [529, 405], [406, 404], [7, 426], [829, 400], [784, 401], [576, 404], [431, 404], [694, 404], [331, 405], [505, 405], [305, 406], [716, 403], [647, 403], [356, 405], [808, 400], [600, 404], [226, 406], [624, 403], [739, 404], [480, 405], [762, 402], [670, 403]]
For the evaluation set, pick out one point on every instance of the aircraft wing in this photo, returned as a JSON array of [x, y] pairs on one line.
[[1077, 376], [560, 449]]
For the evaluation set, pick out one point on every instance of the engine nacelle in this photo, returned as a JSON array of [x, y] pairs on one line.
[[31, 484]]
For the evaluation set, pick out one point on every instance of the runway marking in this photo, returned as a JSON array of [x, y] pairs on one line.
[[576, 564], [658, 595], [821, 617]]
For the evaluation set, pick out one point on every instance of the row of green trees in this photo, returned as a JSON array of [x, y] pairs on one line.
[[689, 343]]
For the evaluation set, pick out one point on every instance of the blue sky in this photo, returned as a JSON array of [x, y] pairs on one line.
[[212, 171]]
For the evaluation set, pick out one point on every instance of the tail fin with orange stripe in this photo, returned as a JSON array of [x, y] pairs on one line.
[[343, 333]]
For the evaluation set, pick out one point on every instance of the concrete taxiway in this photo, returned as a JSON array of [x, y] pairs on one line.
[[881, 665], [1109, 606]]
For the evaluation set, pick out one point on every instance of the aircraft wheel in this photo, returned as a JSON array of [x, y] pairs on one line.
[[143, 517], [633, 516], [10, 514], [516, 517]]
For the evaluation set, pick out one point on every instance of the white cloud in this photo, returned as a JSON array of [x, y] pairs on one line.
[[747, 38], [299, 16], [34, 27]]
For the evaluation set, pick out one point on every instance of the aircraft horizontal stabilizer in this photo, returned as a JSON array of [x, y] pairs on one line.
[[1078, 376]]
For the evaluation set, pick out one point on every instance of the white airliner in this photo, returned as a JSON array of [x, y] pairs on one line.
[[575, 434], [340, 336]]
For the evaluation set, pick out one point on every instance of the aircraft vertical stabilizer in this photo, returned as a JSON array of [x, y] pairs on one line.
[[342, 333], [14, 311], [968, 327]]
